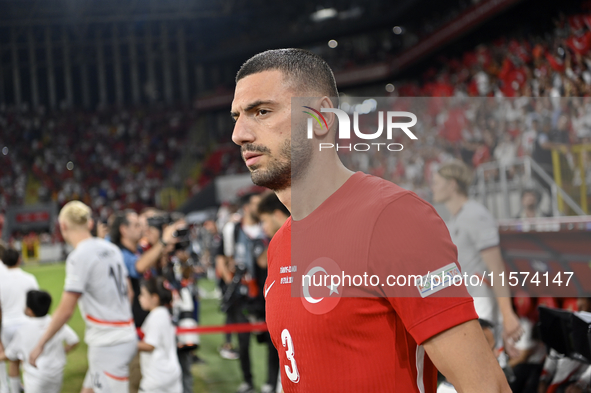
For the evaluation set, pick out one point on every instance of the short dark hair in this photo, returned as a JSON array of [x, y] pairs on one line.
[[309, 71], [156, 286], [119, 219], [245, 199], [10, 257], [39, 302], [270, 203]]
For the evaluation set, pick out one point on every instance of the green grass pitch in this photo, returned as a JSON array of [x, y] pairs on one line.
[[217, 375]]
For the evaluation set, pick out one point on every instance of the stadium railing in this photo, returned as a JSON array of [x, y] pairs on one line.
[[572, 172], [499, 188]]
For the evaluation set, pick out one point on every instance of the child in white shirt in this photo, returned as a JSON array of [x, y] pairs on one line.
[[48, 375], [161, 370]]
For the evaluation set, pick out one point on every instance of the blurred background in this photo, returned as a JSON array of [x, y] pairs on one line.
[[125, 105]]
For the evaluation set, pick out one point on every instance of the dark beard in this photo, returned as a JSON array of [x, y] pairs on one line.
[[277, 176], [282, 170]]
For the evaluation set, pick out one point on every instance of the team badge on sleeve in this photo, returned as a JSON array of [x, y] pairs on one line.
[[437, 280]]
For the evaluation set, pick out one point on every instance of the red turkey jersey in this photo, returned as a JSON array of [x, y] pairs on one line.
[[357, 336]]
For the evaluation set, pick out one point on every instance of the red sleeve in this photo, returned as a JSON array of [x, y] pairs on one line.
[[410, 239]]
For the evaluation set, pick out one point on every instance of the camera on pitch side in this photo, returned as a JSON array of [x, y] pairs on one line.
[[182, 234]]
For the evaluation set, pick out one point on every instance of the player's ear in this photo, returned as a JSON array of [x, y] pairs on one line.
[[326, 102], [90, 224], [63, 226]]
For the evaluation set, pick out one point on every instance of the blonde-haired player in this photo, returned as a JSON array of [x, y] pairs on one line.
[[474, 231], [96, 279]]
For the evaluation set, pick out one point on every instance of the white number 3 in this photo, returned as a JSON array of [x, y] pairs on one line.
[[293, 374]]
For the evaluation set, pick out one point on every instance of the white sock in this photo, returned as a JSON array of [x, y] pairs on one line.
[[15, 384], [3, 378]]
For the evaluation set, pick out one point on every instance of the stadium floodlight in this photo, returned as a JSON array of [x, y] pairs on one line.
[[323, 14]]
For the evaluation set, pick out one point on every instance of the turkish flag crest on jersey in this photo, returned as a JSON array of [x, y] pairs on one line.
[[321, 287]]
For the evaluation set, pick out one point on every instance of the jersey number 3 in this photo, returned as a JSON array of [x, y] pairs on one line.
[[292, 373]]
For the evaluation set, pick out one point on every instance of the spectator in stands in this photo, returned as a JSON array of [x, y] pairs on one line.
[[530, 204], [542, 152], [528, 137], [506, 151]]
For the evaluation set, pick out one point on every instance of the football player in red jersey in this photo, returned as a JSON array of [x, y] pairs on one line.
[[340, 342]]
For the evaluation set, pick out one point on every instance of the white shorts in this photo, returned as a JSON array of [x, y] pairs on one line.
[[177, 387], [36, 385], [108, 367]]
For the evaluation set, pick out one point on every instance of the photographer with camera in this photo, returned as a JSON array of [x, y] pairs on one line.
[[245, 247], [126, 232]]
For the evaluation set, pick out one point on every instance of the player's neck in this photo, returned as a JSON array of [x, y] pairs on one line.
[[285, 197], [316, 186], [77, 237], [455, 203]]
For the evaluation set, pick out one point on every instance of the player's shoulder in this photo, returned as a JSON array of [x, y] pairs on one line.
[[95, 245], [474, 210], [382, 194], [102, 243]]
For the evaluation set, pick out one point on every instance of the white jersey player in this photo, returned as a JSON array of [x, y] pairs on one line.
[[474, 232], [14, 285], [96, 279]]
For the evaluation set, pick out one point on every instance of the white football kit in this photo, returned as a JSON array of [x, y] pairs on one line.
[[474, 229], [96, 270], [47, 376], [14, 285]]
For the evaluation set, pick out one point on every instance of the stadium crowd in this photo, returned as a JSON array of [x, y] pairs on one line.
[[125, 156], [534, 95], [538, 85], [107, 158]]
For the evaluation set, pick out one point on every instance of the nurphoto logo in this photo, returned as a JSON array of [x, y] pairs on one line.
[[345, 128]]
